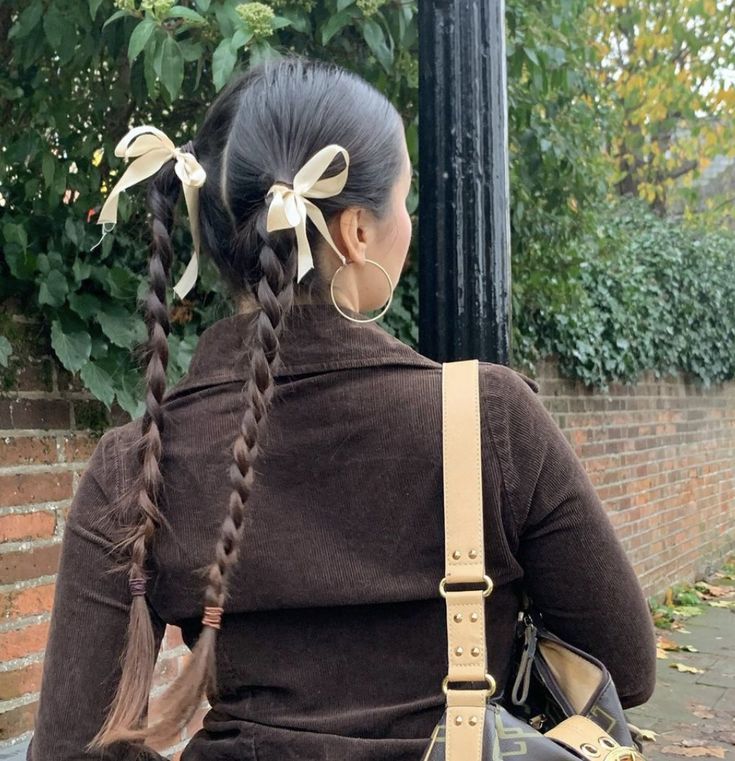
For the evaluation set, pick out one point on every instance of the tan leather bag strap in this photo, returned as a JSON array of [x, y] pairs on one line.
[[464, 560]]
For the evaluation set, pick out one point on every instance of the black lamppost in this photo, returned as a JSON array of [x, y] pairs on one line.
[[464, 235]]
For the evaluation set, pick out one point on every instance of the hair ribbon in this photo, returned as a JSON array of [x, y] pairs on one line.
[[150, 149], [290, 207]]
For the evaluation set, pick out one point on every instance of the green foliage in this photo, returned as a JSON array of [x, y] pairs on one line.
[[557, 128], [65, 106], [649, 294]]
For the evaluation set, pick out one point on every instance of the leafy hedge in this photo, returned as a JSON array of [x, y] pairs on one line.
[[64, 106], [648, 294]]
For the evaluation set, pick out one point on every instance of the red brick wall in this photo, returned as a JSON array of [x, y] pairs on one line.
[[48, 428], [662, 455]]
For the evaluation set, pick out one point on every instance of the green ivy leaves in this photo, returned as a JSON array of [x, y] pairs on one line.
[[650, 295]]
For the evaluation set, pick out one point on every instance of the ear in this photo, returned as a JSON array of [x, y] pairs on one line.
[[353, 233]]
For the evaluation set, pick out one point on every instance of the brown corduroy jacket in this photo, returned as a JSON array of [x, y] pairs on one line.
[[333, 641]]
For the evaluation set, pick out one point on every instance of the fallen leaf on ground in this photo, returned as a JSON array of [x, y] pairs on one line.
[[702, 712], [700, 751], [685, 668], [667, 644], [723, 604], [712, 590], [648, 734], [690, 610]]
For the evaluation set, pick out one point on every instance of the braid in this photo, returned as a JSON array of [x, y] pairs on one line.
[[274, 292], [130, 703], [251, 135]]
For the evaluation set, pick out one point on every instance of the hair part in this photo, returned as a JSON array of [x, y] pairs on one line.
[[262, 127]]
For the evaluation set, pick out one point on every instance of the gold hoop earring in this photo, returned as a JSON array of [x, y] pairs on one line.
[[384, 309]]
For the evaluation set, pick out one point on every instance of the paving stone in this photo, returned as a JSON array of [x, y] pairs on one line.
[[679, 695]]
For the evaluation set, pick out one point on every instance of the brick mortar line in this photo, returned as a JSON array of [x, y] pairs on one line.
[[69, 432], [726, 447], [648, 515], [663, 537], [607, 472], [636, 450], [635, 414], [661, 513], [16, 664], [26, 545], [16, 624], [606, 485], [53, 396], [618, 455], [51, 467], [664, 416], [16, 586], [23, 700], [35, 507], [723, 394]]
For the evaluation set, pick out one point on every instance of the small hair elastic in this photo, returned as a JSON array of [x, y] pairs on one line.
[[212, 616], [137, 586]]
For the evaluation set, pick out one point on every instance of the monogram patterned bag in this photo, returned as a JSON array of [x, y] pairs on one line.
[[564, 703]]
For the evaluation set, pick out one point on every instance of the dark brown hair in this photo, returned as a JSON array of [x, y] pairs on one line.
[[261, 129]]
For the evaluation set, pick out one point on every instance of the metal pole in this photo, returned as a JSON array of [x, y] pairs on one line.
[[464, 231]]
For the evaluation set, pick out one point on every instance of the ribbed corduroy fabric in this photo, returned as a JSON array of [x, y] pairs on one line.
[[333, 642]]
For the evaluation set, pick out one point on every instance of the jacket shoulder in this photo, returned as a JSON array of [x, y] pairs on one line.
[[505, 378]]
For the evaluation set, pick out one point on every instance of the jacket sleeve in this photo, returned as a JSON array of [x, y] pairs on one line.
[[575, 568], [88, 628]]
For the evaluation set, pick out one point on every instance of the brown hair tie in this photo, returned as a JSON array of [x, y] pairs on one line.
[[137, 586], [212, 616]]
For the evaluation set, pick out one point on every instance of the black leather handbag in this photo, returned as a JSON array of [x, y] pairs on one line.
[[563, 705]]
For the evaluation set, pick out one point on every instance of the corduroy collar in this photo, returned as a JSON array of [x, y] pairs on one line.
[[316, 339]]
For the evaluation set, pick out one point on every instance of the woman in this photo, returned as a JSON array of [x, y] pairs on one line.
[[302, 562]]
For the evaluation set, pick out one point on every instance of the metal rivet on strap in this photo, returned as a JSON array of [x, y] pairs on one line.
[[459, 651], [475, 651], [458, 617], [473, 554], [456, 554], [473, 720], [474, 617], [458, 720]]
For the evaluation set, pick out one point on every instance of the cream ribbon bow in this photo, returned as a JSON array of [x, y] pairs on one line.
[[290, 206], [151, 149]]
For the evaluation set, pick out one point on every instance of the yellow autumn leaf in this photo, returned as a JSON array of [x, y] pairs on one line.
[[685, 668]]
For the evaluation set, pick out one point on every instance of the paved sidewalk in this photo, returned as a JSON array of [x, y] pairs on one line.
[[693, 714]]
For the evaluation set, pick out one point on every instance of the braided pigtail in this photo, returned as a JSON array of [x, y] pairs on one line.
[[274, 295], [130, 704], [270, 123]]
